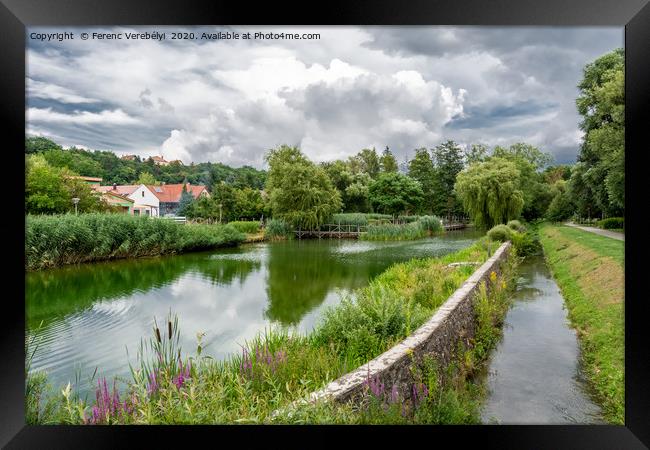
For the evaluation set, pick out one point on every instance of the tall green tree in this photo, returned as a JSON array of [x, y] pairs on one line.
[[387, 162], [476, 153], [299, 191], [395, 193], [185, 201], [421, 168], [601, 105], [368, 162], [530, 162], [50, 190], [448, 161], [490, 192]]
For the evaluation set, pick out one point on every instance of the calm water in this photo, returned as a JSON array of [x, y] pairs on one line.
[[534, 375], [92, 313]]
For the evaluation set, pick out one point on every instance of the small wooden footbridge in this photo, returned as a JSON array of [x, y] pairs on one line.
[[343, 231]]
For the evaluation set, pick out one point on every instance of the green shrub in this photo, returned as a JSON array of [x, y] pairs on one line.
[[278, 229], [500, 233], [611, 223], [517, 226], [246, 226], [526, 244]]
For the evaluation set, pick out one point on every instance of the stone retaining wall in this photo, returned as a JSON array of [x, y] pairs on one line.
[[439, 336]]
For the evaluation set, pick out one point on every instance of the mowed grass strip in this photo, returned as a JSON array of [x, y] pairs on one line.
[[591, 278], [603, 245]]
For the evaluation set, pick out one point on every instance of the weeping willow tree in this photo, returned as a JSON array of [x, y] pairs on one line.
[[489, 192], [299, 191]]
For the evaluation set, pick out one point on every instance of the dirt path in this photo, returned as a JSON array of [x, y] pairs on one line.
[[606, 233]]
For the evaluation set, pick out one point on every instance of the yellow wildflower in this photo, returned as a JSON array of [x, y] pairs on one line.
[[493, 276]]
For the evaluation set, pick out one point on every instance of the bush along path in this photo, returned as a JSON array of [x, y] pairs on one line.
[[589, 271], [277, 368]]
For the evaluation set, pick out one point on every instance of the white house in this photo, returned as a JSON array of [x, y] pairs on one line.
[[144, 201]]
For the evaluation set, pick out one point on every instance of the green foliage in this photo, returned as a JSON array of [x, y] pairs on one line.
[[387, 161], [246, 226], [516, 225], [39, 144], [147, 179], [56, 240], [598, 186], [300, 192], [561, 207], [114, 169], [448, 158], [394, 193], [278, 229], [421, 168], [50, 190], [612, 223], [366, 161], [351, 219], [500, 233], [490, 191], [185, 202], [431, 224]]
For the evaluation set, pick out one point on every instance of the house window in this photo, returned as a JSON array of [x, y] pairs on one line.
[[143, 193], [146, 212], [136, 212]]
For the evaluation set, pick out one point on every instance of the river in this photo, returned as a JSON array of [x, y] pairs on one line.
[[91, 314]]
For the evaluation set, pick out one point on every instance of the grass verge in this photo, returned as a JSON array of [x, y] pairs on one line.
[[588, 268]]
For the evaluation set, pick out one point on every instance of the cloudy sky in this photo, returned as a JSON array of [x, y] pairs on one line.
[[355, 87]]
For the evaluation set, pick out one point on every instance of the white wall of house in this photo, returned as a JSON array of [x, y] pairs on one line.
[[145, 201]]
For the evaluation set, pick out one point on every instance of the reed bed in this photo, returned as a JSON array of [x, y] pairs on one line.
[[423, 227], [56, 240], [248, 227]]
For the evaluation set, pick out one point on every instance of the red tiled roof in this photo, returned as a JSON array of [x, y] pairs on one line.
[[172, 192], [120, 196], [81, 177], [158, 158], [122, 190]]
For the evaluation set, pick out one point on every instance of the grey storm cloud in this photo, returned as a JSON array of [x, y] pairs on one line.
[[356, 87]]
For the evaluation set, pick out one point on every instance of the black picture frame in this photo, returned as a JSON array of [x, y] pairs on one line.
[[634, 15]]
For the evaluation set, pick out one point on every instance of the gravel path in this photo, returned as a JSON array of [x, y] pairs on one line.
[[612, 234]]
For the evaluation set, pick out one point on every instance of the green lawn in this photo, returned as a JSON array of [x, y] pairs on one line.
[[602, 245]]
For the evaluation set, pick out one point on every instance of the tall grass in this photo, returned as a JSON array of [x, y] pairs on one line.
[[278, 229], [424, 226], [360, 219], [249, 227], [56, 240], [277, 368]]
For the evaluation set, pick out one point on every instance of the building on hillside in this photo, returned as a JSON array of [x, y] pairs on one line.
[[129, 157], [92, 181], [144, 201], [169, 196], [159, 160], [118, 200]]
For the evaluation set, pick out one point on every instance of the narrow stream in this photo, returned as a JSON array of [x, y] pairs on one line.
[[534, 373]]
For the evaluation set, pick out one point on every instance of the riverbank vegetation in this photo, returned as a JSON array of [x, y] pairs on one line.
[[422, 227], [52, 241], [590, 272], [277, 368]]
